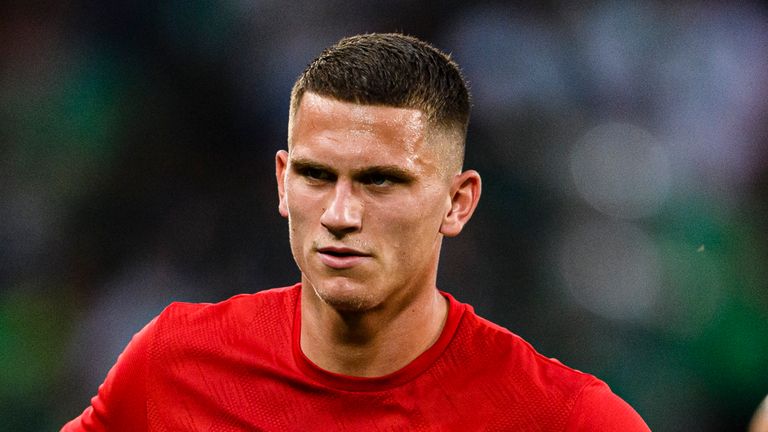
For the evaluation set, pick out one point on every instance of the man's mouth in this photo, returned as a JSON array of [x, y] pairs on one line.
[[340, 251], [340, 258]]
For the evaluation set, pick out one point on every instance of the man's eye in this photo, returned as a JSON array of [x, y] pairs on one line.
[[377, 179], [316, 174], [382, 179]]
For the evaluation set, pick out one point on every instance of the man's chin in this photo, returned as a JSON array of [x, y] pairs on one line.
[[345, 296]]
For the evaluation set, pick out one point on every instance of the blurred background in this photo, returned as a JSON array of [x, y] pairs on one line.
[[623, 227]]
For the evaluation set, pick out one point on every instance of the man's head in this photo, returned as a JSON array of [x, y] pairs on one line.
[[397, 71], [372, 180]]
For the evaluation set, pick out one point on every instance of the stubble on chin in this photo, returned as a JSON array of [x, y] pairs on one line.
[[345, 297]]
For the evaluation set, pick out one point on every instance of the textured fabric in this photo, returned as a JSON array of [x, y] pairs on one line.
[[237, 366]]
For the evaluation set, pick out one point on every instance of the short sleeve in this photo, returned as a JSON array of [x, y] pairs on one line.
[[599, 409], [120, 404]]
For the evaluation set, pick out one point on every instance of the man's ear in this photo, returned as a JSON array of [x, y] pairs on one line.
[[281, 165], [465, 194]]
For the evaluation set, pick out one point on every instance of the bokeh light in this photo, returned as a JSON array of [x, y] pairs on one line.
[[612, 269], [621, 170]]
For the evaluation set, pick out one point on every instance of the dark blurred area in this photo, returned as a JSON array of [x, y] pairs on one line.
[[623, 149]]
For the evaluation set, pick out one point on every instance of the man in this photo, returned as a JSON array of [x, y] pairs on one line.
[[371, 183]]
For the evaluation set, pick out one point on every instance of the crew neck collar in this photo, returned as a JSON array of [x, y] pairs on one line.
[[372, 384]]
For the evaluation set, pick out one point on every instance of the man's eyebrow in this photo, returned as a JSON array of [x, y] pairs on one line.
[[300, 163], [393, 171]]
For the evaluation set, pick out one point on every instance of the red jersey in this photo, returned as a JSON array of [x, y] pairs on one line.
[[238, 366]]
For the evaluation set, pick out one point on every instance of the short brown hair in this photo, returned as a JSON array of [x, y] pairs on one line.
[[389, 69]]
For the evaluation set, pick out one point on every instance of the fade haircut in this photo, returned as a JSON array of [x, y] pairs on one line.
[[390, 69]]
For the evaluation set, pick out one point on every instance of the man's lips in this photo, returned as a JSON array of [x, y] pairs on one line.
[[341, 257]]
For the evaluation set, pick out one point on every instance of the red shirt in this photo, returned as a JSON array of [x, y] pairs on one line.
[[237, 365]]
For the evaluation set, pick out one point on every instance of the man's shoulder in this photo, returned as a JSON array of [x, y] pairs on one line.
[[518, 362], [543, 387], [253, 319], [269, 301]]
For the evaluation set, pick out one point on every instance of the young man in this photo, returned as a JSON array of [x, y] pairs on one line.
[[371, 183]]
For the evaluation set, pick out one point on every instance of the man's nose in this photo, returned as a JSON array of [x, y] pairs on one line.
[[345, 211]]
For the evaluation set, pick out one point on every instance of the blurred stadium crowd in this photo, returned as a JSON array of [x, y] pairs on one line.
[[623, 147]]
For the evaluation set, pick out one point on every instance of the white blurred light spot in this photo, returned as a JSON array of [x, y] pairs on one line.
[[612, 269], [621, 170]]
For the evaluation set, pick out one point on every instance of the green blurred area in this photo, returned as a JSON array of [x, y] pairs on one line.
[[65, 127], [35, 329]]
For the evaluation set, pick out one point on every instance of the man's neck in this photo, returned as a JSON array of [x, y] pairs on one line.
[[370, 343]]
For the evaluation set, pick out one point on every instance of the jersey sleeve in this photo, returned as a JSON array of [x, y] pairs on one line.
[[120, 404], [599, 409]]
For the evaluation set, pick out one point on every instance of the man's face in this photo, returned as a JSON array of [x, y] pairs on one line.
[[365, 193]]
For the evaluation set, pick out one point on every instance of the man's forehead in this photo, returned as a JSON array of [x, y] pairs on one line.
[[318, 107], [322, 118]]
